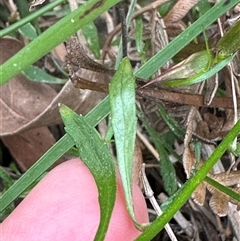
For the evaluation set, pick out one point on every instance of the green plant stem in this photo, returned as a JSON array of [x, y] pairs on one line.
[[180, 198], [30, 17]]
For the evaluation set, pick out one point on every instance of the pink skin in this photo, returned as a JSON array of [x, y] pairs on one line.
[[64, 206]]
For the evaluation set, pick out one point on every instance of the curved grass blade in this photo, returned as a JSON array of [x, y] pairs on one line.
[[200, 76], [95, 154]]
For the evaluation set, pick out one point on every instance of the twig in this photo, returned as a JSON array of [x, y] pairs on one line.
[[149, 193], [117, 29], [148, 144]]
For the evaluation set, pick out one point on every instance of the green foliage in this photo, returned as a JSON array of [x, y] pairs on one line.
[[28, 31], [51, 156], [95, 154], [158, 60], [122, 107], [91, 36], [166, 167], [124, 123], [175, 202], [64, 28], [36, 74]]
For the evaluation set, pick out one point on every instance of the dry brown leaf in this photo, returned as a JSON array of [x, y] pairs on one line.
[[21, 100], [219, 203], [27, 147], [199, 194], [189, 161], [80, 101], [25, 104], [228, 179], [173, 19], [179, 10], [59, 52], [234, 201]]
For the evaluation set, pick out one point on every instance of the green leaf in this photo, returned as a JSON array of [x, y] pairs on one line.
[[51, 156], [139, 33], [38, 75], [172, 123], [202, 75], [95, 154], [203, 6], [124, 121], [158, 60], [229, 44], [167, 170], [91, 35], [28, 31], [6, 179]]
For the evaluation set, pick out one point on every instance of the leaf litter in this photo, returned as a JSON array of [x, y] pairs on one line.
[[28, 109]]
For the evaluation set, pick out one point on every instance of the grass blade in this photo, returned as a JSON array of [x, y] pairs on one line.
[[29, 18], [53, 36], [158, 60]]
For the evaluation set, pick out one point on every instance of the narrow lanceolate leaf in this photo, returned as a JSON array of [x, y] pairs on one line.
[[94, 153], [91, 35], [38, 75], [123, 113]]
